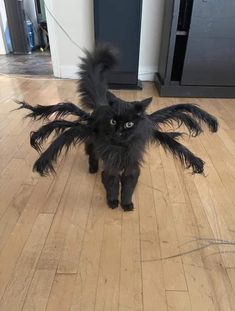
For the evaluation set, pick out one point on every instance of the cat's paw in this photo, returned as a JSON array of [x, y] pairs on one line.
[[128, 207], [113, 203]]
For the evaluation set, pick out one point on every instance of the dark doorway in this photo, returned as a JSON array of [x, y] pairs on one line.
[[26, 35]]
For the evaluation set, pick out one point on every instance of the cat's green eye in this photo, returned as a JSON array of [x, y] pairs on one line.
[[129, 125], [113, 122]]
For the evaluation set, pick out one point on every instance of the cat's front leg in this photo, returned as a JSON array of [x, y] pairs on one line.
[[111, 183], [92, 159], [129, 180]]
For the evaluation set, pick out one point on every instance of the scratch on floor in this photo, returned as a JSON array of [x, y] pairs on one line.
[[211, 242]]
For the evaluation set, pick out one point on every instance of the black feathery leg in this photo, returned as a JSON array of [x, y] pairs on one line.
[[180, 114], [75, 135], [92, 158], [59, 110], [111, 182], [129, 180], [178, 150], [196, 112], [175, 135], [59, 126]]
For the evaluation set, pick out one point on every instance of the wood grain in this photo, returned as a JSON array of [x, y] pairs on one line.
[[61, 248]]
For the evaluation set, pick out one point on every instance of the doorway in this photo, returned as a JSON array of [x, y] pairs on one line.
[[25, 38]]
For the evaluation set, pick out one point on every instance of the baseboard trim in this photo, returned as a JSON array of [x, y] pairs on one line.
[[68, 72], [174, 90], [147, 73], [72, 72]]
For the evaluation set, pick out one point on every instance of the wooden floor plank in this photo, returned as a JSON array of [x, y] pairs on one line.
[[16, 290], [173, 269], [211, 260], [69, 259], [12, 178], [107, 294], [130, 296], [14, 245], [39, 291], [84, 297], [178, 301], [54, 244], [61, 292], [152, 271], [186, 229], [13, 212]]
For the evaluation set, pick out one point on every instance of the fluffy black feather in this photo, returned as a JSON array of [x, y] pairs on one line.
[[172, 113], [187, 158], [73, 136], [59, 110], [180, 118], [59, 126], [114, 131], [175, 135]]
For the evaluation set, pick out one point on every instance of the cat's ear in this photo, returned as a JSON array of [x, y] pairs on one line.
[[143, 105], [111, 98]]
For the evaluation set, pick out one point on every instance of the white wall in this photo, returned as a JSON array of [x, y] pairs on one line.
[[77, 19], [2, 43], [150, 40], [3, 24]]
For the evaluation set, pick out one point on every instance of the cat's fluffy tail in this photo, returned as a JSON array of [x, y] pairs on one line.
[[92, 85]]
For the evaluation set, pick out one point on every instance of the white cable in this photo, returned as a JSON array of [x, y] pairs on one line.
[[64, 31]]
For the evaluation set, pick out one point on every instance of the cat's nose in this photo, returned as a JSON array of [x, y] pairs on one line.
[[119, 132]]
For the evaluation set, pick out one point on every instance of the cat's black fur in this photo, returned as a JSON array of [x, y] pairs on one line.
[[114, 130]]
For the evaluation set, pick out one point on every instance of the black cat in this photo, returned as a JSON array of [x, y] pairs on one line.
[[115, 131]]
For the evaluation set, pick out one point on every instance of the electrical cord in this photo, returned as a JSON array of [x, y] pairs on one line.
[[59, 25]]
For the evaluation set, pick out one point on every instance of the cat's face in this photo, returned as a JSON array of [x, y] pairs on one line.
[[121, 122]]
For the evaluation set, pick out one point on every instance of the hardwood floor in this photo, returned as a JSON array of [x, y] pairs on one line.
[[62, 248]]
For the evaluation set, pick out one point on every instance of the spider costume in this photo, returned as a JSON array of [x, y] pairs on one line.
[[113, 130]]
